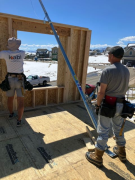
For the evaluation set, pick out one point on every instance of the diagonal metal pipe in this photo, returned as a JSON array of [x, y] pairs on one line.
[[91, 115]]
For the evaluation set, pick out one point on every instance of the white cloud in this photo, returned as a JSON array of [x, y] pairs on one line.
[[37, 46], [99, 46], [34, 47], [126, 39], [120, 43]]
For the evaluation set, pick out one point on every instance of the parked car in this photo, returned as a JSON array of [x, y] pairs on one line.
[[89, 88], [36, 80], [129, 64]]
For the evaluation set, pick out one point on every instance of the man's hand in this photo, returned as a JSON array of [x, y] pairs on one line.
[[97, 109]]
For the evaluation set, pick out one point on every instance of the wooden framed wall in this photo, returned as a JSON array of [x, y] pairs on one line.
[[76, 43]]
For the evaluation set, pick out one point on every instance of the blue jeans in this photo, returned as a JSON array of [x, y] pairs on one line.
[[104, 126]]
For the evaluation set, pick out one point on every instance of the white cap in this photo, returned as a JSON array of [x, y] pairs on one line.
[[13, 44]]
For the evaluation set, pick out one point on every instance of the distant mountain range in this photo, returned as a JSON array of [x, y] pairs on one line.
[[100, 49], [30, 51]]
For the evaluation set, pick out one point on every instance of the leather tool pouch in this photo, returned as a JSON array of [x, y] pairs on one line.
[[128, 109], [27, 84], [5, 84], [107, 110]]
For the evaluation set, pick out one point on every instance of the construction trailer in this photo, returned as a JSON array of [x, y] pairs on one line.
[[129, 54], [50, 143]]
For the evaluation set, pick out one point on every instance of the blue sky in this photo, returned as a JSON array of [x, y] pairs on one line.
[[111, 21]]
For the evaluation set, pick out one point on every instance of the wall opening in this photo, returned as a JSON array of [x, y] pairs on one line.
[[41, 57]]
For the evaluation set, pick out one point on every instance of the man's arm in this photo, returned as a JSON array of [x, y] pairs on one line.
[[101, 93]]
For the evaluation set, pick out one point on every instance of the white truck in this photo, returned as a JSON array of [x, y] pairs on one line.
[[38, 80]]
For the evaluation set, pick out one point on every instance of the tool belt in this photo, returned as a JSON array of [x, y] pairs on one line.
[[107, 110], [18, 75], [5, 84], [108, 106], [21, 76]]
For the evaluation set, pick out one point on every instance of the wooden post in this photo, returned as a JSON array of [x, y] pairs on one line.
[[57, 96], [14, 33], [33, 98], [10, 34], [86, 55], [10, 27], [78, 58], [46, 97], [67, 71]]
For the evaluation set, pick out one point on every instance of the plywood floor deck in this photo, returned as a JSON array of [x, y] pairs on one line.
[[59, 131]]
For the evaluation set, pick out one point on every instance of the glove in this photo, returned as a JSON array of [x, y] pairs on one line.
[[96, 109]]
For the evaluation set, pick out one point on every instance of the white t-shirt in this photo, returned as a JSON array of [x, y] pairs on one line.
[[14, 60]]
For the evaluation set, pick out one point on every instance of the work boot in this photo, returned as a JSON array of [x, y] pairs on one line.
[[120, 151], [95, 157]]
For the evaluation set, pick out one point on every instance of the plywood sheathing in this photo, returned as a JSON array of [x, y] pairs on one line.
[[28, 99], [75, 48], [6, 31], [3, 33], [39, 97], [60, 130], [52, 96], [61, 94], [3, 69]]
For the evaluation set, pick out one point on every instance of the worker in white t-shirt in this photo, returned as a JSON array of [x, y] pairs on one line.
[[14, 61]]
